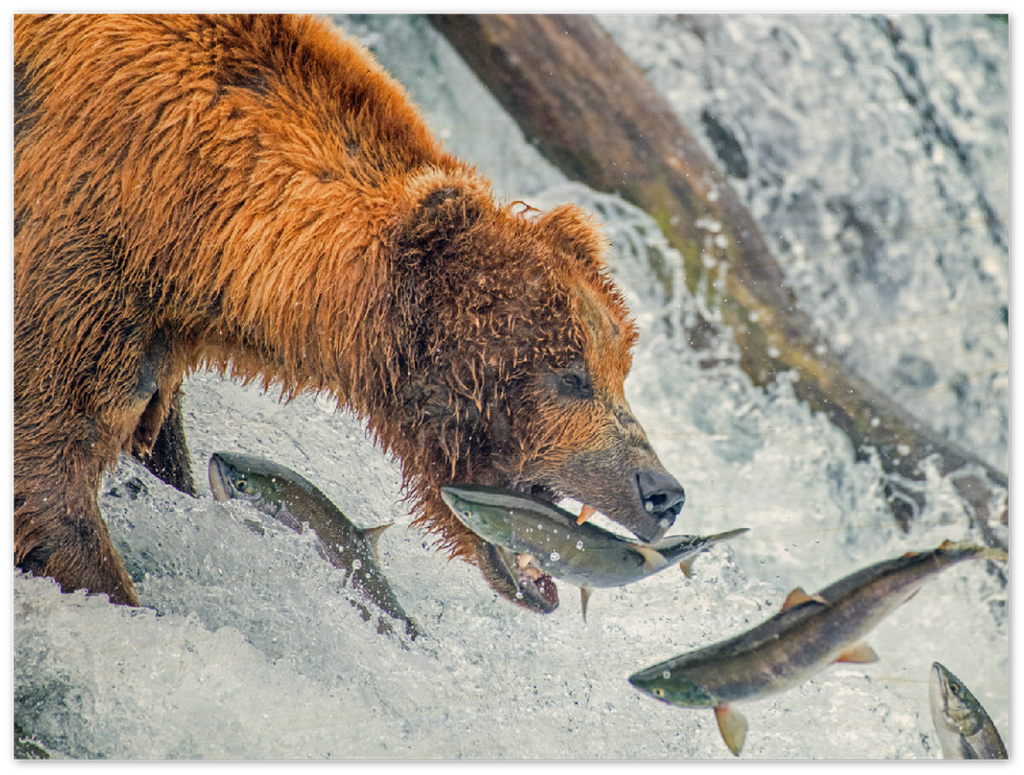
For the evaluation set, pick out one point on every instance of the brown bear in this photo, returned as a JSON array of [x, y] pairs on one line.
[[256, 195]]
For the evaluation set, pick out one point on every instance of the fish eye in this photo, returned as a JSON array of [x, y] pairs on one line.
[[241, 484], [658, 692], [954, 688]]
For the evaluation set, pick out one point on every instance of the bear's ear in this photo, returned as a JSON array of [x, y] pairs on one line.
[[437, 209], [572, 230], [437, 199], [435, 194]]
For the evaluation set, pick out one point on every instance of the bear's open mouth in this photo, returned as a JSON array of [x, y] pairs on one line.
[[537, 587]]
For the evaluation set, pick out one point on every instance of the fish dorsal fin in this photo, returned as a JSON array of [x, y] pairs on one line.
[[859, 652], [686, 566], [733, 726], [799, 597], [584, 598], [372, 535], [653, 559]]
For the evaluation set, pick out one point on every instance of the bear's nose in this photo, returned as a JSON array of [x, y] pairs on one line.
[[662, 496]]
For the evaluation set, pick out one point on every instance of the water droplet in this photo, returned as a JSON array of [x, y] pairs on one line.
[[357, 564], [663, 522], [519, 594], [555, 556], [649, 506], [667, 674], [579, 544]]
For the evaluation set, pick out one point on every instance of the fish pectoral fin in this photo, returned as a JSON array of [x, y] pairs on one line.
[[686, 566], [733, 726], [860, 652], [653, 559], [285, 517], [584, 598], [372, 535]]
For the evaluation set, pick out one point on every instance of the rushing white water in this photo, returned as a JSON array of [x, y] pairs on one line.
[[247, 645]]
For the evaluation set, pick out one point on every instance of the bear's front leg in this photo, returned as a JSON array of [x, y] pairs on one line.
[[58, 529]]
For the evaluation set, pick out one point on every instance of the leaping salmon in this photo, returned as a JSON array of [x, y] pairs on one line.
[[806, 636], [964, 729], [293, 500]]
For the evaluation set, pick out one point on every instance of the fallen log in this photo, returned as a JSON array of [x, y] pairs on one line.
[[591, 111]]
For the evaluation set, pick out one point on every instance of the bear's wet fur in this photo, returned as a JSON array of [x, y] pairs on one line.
[[256, 195]]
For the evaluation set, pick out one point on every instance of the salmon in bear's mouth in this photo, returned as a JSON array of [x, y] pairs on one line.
[[515, 575], [535, 588]]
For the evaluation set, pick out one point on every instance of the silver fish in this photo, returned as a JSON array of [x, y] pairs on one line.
[[964, 729], [556, 542], [293, 500], [808, 635]]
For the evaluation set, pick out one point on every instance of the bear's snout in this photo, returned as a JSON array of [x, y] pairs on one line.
[[661, 495]]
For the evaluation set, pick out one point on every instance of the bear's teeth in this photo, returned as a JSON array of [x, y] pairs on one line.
[[585, 513]]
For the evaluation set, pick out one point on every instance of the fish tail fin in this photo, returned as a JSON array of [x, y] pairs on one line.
[[686, 566], [967, 549], [733, 726], [727, 535], [998, 555]]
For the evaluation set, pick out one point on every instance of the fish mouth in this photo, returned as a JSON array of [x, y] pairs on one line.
[[218, 473]]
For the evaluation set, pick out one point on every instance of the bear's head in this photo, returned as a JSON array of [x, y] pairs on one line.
[[516, 347]]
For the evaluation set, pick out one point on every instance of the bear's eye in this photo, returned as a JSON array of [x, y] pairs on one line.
[[575, 383]]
